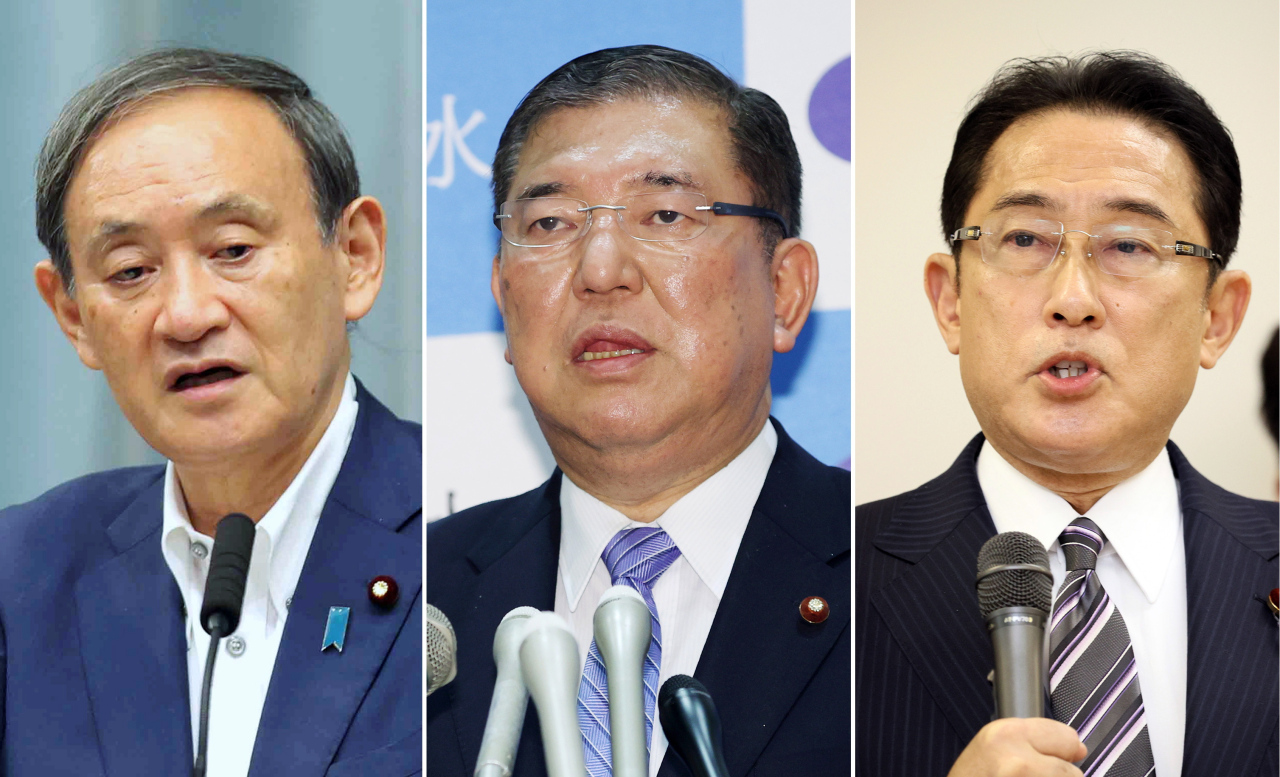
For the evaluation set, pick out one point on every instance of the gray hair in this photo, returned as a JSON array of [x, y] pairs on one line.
[[760, 136], [330, 162]]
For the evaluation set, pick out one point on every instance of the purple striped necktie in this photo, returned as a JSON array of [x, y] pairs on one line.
[[1093, 677], [634, 557]]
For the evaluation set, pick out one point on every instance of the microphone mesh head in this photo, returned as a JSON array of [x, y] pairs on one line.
[[677, 681], [442, 649], [1014, 587]]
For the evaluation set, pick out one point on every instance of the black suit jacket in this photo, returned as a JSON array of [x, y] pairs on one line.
[[781, 684], [923, 654]]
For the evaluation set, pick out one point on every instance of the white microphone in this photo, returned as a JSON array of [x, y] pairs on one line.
[[441, 649], [510, 698], [549, 661], [622, 630]]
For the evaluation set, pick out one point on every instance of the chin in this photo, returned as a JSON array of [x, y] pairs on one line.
[[1079, 449]]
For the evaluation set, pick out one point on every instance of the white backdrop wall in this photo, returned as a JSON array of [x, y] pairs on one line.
[[482, 441], [58, 420], [918, 65]]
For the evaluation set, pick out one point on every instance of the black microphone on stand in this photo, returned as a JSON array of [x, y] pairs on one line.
[[220, 613], [692, 725], [1015, 591]]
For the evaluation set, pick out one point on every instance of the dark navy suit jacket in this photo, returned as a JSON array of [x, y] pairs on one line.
[[92, 645], [781, 685], [923, 654]]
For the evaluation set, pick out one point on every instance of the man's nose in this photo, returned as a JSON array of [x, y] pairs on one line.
[[1074, 295], [191, 305], [607, 257]]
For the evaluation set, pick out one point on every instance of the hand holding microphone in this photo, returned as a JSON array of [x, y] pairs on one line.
[[1015, 591]]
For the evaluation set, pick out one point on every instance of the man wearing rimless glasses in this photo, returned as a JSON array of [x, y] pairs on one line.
[[1092, 206], [649, 268]]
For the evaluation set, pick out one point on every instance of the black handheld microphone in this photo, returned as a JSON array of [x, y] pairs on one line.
[[692, 725], [1015, 588], [220, 613]]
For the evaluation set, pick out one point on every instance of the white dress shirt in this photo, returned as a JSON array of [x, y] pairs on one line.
[[707, 525], [1143, 568], [281, 541]]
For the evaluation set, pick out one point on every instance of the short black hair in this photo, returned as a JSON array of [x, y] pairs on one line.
[[331, 164], [1127, 83], [762, 146]]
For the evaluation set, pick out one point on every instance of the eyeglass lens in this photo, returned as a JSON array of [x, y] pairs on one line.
[[553, 221], [1032, 244]]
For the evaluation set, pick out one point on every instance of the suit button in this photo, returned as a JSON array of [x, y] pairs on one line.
[[814, 609], [384, 591], [236, 646]]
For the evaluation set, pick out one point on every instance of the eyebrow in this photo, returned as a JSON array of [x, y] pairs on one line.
[[542, 190], [1034, 200], [667, 180], [660, 178], [1142, 208]]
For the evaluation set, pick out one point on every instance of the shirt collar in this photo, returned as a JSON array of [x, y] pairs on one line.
[[706, 524], [283, 539], [1140, 517]]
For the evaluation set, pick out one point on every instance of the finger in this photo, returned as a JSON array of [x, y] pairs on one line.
[[1056, 739]]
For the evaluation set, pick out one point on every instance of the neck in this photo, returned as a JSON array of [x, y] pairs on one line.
[[250, 483], [1081, 490], [642, 481]]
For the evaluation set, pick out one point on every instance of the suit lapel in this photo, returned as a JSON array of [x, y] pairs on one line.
[[798, 531], [516, 566], [313, 696], [134, 648], [932, 606], [1232, 671]]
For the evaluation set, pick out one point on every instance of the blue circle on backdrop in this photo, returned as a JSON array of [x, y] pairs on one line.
[[829, 109]]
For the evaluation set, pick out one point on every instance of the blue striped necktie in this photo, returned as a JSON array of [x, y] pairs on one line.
[[1093, 678], [634, 557]]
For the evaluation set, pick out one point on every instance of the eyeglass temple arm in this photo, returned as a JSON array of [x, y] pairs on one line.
[[1191, 249], [729, 209], [966, 233]]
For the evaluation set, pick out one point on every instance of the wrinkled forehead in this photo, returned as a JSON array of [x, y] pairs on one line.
[[1067, 163]]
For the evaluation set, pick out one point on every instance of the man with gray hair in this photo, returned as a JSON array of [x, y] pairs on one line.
[[649, 268], [208, 248]]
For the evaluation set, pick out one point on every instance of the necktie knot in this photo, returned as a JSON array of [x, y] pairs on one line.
[[638, 557], [1081, 542]]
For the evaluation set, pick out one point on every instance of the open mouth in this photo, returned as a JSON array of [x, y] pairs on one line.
[[1069, 369], [192, 380], [593, 355]]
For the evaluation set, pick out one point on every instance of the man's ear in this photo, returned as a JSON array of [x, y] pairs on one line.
[[495, 288], [362, 238], [67, 312], [940, 286], [794, 270], [1227, 303]]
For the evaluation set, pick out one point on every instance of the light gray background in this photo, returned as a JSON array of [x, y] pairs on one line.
[[916, 66], [57, 418]]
